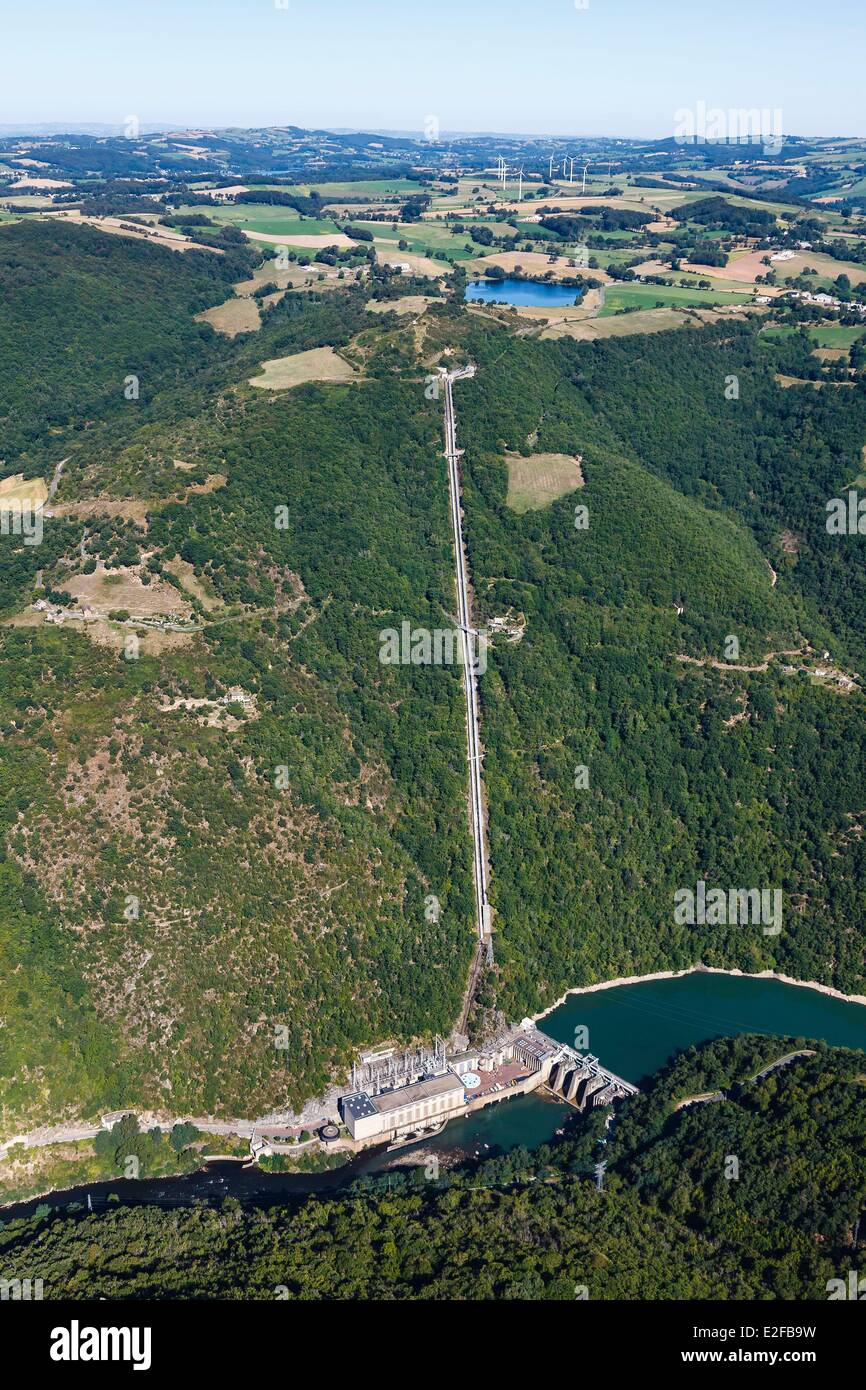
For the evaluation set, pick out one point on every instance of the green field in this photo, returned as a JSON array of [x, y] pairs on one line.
[[424, 238], [356, 191], [621, 255], [268, 218], [626, 296], [836, 335], [831, 335]]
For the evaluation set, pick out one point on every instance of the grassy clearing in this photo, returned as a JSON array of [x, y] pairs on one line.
[[786, 382], [108, 591], [233, 317], [408, 304], [319, 364], [534, 483]]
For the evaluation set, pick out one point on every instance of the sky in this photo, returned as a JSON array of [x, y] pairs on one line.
[[556, 67]]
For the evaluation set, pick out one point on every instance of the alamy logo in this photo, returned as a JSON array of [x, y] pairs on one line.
[[846, 516], [21, 519], [720, 907], [21, 1290], [854, 1289], [77, 1343], [743, 125], [438, 646]]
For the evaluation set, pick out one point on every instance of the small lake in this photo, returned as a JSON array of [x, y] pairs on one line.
[[633, 1029], [529, 292]]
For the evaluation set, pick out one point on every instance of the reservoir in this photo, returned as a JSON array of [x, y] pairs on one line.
[[634, 1029], [529, 292]]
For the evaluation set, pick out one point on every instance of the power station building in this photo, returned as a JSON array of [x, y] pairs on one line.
[[386, 1115], [394, 1095]]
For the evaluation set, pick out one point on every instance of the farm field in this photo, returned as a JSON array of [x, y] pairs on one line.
[[358, 188], [588, 330], [37, 201], [828, 268], [830, 335], [117, 226], [418, 264], [724, 277], [266, 217], [424, 238], [532, 263], [312, 241], [626, 296]]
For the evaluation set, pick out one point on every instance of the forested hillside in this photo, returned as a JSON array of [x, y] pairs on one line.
[[254, 831], [669, 1224], [217, 856], [746, 777], [82, 311]]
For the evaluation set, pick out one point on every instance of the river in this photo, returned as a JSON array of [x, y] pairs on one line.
[[633, 1028]]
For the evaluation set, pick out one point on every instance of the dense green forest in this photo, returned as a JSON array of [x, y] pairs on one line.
[[82, 311], [675, 1220]]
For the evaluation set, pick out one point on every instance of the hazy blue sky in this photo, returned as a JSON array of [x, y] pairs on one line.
[[618, 67]]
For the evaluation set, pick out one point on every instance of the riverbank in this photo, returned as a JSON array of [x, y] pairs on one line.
[[699, 969]]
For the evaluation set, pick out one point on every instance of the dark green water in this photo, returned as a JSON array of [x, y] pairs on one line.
[[635, 1029]]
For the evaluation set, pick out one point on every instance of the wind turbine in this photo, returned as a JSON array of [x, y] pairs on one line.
[[585, 167], [571, 174], [520, 186]]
